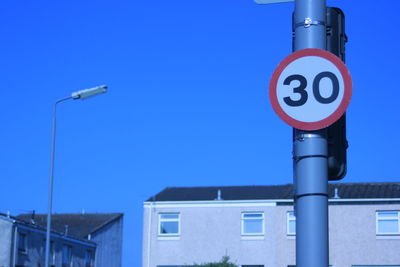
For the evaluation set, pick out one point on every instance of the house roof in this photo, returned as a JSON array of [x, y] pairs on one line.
[[78, 225], [345, 190]]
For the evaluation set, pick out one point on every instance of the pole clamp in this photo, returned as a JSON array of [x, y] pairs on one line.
[[298, 158], [309, 22], [309, 195]]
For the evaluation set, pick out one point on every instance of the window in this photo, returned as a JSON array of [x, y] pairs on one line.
[[169, 224], [387, 223], [291, 223], [252, 223], [52, 255], [89, 259], [22, 242], [66, 256]]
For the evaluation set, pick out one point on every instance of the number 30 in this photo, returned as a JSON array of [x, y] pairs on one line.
[[316, 89]]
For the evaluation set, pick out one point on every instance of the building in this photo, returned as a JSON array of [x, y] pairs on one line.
[[77, 240], [255, 225]]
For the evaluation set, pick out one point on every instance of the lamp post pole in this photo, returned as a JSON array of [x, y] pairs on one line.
[[50, 189], [83, 94]]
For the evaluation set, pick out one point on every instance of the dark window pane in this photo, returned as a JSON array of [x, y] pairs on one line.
[[22, 242], [89, 258], [66, 256], [169, 227]]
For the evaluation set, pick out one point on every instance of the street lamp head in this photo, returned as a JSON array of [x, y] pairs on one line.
[[86, 93]]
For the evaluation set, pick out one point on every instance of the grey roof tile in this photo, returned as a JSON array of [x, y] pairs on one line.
[[79, 225], [345, 190]]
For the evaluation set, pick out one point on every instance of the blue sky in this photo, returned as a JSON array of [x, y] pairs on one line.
[[187, 103]]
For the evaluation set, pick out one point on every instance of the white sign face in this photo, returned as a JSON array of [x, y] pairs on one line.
[[310, 89]]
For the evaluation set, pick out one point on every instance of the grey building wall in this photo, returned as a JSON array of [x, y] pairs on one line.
[[353, 238], [6, 236], [33, 256], [210, 230], [109, 244], [16, 252]]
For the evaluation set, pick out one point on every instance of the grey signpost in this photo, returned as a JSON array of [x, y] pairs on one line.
[[310, 154], [310, 90], [310, 150]]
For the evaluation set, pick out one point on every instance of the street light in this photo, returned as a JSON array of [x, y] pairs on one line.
[[82, 94]]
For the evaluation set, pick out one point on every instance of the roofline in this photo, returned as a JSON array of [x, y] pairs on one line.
[[211, 203], [117, 216], [7, 217], [36, 228], [254, 202], [15, 220], [286, 184], [59, 235], [331, 184]]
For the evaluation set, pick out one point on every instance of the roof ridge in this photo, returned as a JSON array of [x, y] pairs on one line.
[[77, 213], [230, 186], [363, 183], [287, 184], [80, 225], [281, 191], [43, 228], [106, 222]]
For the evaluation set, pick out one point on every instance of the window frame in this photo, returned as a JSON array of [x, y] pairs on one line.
[[22, 242], [243, 220], [378, 219], [161, 220], [69, 251], [289, 217], [52, 254], [89, 258]]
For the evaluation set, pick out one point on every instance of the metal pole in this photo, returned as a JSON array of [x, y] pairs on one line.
[[310, 154], [50, 189]]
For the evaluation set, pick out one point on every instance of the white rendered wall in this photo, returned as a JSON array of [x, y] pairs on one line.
[[210, 232]]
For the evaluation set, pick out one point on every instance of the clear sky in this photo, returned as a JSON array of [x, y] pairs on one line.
[[187, 103]]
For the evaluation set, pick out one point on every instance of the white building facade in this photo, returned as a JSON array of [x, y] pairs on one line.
[[255, 226]]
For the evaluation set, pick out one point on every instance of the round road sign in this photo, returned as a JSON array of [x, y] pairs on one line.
[[310, 89]]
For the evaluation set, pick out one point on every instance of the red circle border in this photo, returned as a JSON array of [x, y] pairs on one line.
[[310, 126]]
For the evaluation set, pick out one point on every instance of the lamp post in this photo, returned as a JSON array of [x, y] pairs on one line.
[[82, 94]]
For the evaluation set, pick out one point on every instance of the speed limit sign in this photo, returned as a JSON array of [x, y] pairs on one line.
[[310, 89]]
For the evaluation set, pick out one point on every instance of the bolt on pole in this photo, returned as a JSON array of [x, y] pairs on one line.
[[310, 153]]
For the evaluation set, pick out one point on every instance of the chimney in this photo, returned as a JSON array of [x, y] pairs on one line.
[[219, 195], [33, 217], [336, 195]]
